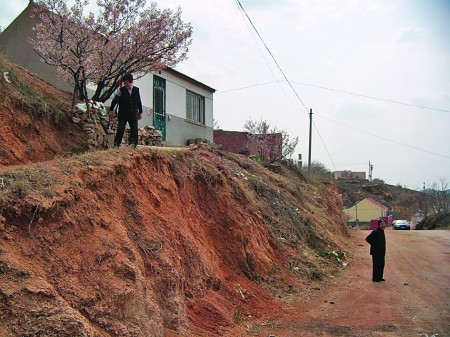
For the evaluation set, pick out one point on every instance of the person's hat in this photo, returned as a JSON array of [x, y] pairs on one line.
[[128, 77]]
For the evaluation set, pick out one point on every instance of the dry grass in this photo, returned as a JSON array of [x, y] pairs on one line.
[[26, 99]]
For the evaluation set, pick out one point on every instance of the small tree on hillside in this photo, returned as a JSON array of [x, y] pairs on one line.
[[123, 37], [439, 196], [436, 199], [319, 169], [272, 144]]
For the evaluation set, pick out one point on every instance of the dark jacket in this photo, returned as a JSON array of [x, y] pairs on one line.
[[129, 105], [377, 242]]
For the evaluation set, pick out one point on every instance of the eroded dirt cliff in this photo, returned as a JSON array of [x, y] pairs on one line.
[[147, 242], [136, 243], [35, 119]]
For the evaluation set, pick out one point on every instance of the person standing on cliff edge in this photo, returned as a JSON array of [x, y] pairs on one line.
[[130, 110], [377, 242]]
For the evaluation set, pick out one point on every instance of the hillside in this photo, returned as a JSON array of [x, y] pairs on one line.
[[149, 242], [35, 125], [403, 201]]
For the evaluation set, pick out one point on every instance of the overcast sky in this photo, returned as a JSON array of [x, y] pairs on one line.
[[396, 50]]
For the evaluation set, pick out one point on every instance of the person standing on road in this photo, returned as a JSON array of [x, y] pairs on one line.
[[377, 242], [130, 110]]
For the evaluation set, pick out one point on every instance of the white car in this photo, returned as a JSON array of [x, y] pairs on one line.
[[401, 224]]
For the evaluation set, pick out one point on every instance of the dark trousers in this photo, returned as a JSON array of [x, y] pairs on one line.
[[378, 267], [121, 130]]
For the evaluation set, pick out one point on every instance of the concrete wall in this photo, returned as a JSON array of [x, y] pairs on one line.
[[179, 128], [15, 47]]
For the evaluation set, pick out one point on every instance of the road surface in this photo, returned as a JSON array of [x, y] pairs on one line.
[[414, 300]]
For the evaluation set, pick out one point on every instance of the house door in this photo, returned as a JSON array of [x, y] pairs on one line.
[[159, 104]]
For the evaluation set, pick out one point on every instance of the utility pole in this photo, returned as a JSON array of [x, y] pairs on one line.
[[370, 171], [310, 139]]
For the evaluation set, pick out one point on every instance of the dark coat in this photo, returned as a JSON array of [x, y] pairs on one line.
[[129, 105], [377, 242]]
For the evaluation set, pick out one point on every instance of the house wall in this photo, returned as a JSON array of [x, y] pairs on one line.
[[179, 128], [366, 211], [349, 175], [233, 141], [15, 47]]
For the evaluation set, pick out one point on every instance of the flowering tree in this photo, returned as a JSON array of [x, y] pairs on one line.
[[123, 37], [272, 144]]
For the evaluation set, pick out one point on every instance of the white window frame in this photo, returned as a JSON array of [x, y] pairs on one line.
[[195, 107]]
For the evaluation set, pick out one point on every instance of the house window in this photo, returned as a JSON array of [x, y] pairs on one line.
[[195, 107]]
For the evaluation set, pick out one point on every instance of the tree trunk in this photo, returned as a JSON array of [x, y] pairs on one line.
[[74, 94], [86, 98], [98, 92]]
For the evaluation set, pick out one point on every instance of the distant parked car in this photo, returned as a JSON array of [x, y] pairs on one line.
[[401, 224]]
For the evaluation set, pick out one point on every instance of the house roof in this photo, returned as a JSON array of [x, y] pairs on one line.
[[376, 203], [189, 79]]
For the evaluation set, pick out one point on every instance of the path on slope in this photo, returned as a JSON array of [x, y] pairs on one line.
[[414, 300]]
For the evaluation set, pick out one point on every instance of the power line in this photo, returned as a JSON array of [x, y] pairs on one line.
[[371, 97], [260, 51], [383, 138], [282, 72], [247, 87], [359, 164], [273, 57], [339, 91], [315, 126]]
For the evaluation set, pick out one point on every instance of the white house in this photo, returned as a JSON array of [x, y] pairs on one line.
[[180, 106]]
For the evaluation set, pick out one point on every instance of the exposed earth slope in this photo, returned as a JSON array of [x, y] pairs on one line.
[[35, 123], [191, 242], [124, 243], [402, 202]]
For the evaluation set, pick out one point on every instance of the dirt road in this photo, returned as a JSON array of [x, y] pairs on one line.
[[414, 300]]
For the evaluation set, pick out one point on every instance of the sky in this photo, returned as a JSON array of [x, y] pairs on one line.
[[391, 50]]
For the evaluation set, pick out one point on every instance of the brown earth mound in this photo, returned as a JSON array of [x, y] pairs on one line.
[[140, 243], [35, 119], [143, 243]]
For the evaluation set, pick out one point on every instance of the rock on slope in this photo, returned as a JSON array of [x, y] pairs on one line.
[[140, 243]]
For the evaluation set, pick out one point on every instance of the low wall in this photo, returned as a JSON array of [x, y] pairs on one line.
[[100, 129]]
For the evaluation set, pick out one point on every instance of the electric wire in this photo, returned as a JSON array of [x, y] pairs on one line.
[[336, 90], [282, 72], [384, 138], [267, 63], [339, 91], [372, 97], [260, 51], [247, 87], [323, 143], [270, 53]]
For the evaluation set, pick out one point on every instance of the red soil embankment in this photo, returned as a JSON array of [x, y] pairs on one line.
[[35, 119], [138, 243]]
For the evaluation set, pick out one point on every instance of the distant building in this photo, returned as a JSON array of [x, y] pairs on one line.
[[364, 211], [349, 175], [266, 146]]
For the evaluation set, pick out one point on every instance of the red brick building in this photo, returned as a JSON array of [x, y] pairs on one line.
[[268, 147]]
